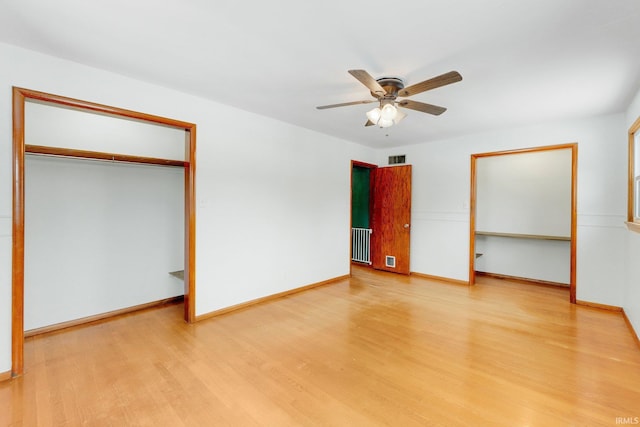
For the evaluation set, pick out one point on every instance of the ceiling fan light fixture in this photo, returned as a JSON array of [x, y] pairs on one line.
[[388, 112], [374, 115], [385, 123], [399, 116], [386, 116]]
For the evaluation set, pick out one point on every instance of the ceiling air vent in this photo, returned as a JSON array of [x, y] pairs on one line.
[[398, 160]]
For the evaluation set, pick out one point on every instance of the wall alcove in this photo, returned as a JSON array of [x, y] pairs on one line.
[[21, 148]]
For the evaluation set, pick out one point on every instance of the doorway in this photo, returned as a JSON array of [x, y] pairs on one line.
[[20, 148], [381, 216], [362, 184]]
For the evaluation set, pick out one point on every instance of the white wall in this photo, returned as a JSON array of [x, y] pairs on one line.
[[546, 260], [99, 236], [441, 192], [631, 303], [525, 193], [51, 125], [272, 208]]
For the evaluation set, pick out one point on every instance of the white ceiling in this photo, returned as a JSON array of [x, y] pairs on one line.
[[522, 62]]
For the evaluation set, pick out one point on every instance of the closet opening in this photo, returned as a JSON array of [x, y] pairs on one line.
[[523, 215], [124, 156]]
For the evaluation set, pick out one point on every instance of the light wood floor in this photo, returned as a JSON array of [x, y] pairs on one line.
[[377, 349]]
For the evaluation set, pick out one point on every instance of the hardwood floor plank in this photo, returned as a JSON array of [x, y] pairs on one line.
[[375, 349]]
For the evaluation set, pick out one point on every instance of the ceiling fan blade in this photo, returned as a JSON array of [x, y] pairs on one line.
[[422, 107], [369, 123], [344, 104], [371, 83], [442, 80]]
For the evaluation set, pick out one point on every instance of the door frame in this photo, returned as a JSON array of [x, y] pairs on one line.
[[371, 183], [20, 96], [574, 204]]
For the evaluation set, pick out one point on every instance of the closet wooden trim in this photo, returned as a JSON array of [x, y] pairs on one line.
[[523, 236], [574, 206], [98, 155], [20, 96]]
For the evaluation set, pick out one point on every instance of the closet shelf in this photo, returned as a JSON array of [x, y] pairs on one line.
[[179, 274], [523, 236]]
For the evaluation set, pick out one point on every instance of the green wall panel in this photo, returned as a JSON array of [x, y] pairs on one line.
[[360, 197]]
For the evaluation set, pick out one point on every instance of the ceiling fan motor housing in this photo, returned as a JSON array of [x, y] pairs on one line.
[[392, 85]]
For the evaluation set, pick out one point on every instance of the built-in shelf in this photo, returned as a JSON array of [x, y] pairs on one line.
[[179, 274], [523, 236], [633, 226]]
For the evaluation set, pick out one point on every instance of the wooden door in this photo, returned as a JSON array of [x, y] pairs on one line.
[[391, 219]]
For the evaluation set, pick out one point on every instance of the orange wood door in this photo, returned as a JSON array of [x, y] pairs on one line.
[[391, 220]]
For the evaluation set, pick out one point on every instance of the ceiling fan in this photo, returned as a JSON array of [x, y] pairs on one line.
[[386, 90]]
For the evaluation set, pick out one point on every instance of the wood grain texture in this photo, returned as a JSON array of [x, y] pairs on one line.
[[432, 83], [574, 224], [189, 313], [523, 236], [526, 150], [422, 107], [440, 279], [101, 317], [376, 349], [391, 211], [525, 280], [631, 171], [598, 305], [268, 298], [345, 104], [17, 247], [366, 79], [630, 326], [473, 186], [85, 154], [49, 98]]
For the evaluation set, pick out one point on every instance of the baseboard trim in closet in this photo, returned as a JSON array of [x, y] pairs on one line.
[[102, 316], [440, 279], [268, 298]]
